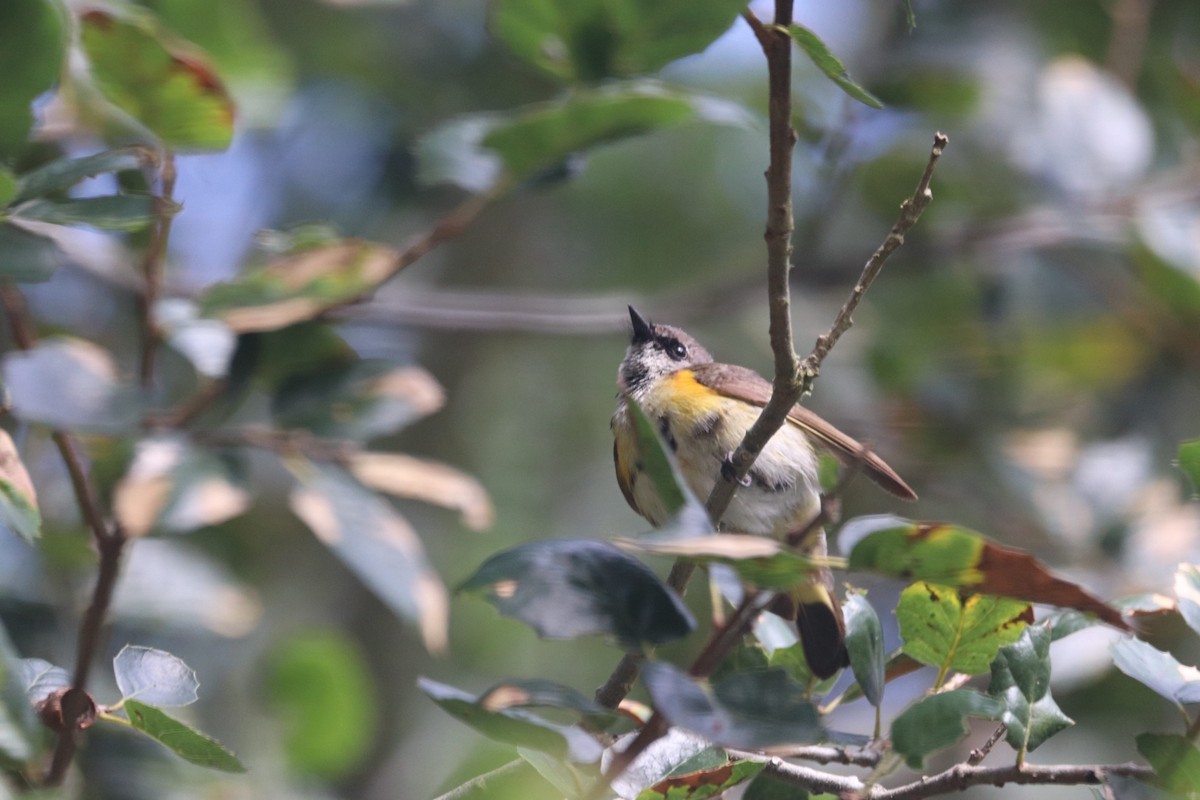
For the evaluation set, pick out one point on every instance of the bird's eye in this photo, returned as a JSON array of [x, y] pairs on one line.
[[676, 351]]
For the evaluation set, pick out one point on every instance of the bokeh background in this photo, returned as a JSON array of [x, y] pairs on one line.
[[1029, 360]]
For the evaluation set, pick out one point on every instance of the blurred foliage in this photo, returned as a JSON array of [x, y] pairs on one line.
[[1028, 361]]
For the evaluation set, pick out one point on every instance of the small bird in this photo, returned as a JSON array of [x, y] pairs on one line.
[[703, 410]]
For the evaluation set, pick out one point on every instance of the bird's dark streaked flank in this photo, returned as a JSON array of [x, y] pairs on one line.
[[703, 410]]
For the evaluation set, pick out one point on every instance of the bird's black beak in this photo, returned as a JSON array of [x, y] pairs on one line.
[[642, 330]]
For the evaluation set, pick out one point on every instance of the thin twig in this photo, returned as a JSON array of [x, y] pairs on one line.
[[954, 779], [480, 783], [978, 754], [152, 268], [910, 211]]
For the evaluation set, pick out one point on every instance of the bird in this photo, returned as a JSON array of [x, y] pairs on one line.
[[702, 409]]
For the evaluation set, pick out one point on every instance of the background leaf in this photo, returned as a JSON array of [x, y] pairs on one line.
[[173, 486], [70, 383], [187, 743], [299, 287], [18, 499], [427, 481], [118, 212], [358, 400], [154, 677], [564, 588], [938, 721], [953, 634], [32, 50], [321, 684], [1189, 461], [63, 173], [376, 543], [1175, 760], [476, 152], [1187, 592], [1021, 680], [1158, 670], [166, 85], [753, 710], [26, 257], [589, 40], [20, 730], [41, 679], [513, 725]]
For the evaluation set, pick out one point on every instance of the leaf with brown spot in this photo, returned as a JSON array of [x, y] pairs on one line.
[[164, 83], [702, 783], [300, 286], [949, 555], [428, 481], [172, 486], [956, 634]]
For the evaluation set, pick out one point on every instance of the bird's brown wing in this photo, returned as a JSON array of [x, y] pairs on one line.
[[748, 386]]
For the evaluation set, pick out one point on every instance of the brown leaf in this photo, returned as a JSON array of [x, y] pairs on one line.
[[13, 470]]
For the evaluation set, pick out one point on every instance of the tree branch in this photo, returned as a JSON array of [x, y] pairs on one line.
[[955, 779], [109, 540], [152, 268]]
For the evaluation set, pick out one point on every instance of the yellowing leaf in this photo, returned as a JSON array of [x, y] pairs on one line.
[[953, 634]]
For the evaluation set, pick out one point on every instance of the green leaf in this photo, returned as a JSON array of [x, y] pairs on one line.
[[659, 464], [589, 40], [188, 743], [26, 257], [828, 63], [70, 383], [321, 688], [1158, 670], [938, 721], [513, 725], [375, 542], [792, 660], [33, 40], [118, 212], [356, 400], [562, 775], [565, 588], [754, 710], [910, 16], [300, 286], [953, 634], [173, 486], [1021, 680], [154, 677], [478, 152], [1187, 594], [768, 787], [64, 173], [864, 643], [541, 693], [1175, 760], [8, 187], [18, 498], [1189, 460], [165, 84], [949, 555], [20, 731]]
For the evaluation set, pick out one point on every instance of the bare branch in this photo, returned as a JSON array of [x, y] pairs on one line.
[[955, 779], [109, 540], [978, 754], [152, 268]]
